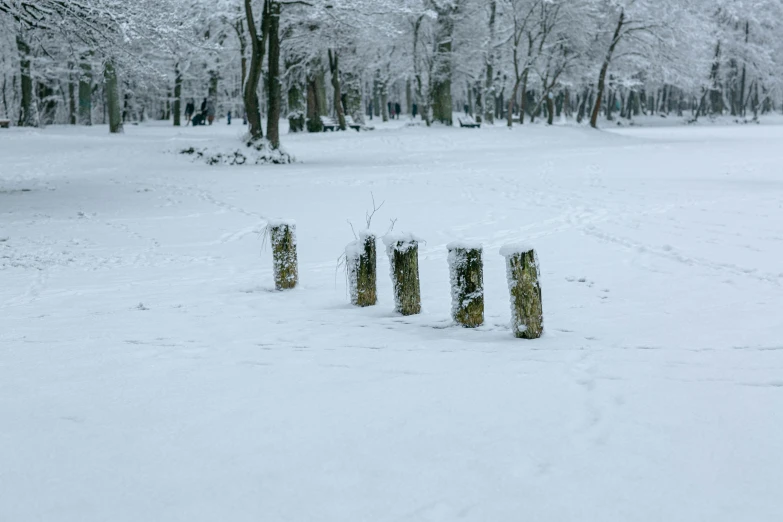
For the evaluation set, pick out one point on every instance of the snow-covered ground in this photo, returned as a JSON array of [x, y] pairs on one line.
[[149, 372]]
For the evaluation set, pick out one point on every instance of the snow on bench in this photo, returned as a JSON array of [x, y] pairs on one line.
[[5, 124], [331, 124], [468, 122]]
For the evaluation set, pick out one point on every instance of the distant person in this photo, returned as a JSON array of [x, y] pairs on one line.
[[200, 117], [228, 116], [190, 108], [415, 110], [210, 111], [389, 108], [391, 111], [397, 110]]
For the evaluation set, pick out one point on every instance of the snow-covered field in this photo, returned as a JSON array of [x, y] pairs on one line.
[[149, 372]]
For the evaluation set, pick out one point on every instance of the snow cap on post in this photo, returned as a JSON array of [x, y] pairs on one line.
[[515, 248], [277, 222], [401, 240], [464, 245]]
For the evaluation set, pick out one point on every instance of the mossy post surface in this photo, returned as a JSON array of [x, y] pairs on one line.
[[361, 261], [282, 236], [527, 317], [467, 284], [403, 251]]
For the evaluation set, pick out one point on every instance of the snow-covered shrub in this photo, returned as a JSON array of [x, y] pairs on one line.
[[254, 153]]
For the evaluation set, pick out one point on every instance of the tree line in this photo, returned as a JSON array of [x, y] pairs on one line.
[[511, 61]]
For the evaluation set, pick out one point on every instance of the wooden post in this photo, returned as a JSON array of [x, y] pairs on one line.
[[403, 251], [361, 261], [282, 235], [467, 284], [527, 320]]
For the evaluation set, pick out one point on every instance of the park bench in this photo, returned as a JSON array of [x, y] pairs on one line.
[[331, 124], [468, 122], [5, 124]]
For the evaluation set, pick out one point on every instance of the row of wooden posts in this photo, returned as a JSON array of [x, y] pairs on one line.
[[465, 264]]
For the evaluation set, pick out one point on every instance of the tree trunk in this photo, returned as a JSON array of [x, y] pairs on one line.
[[296, 108], [523, 103], [550, 108], [716, 96], [511, 99], [6, 110], [744, 71], [334, 68], [112, 89], [583, 105], [470, 98], [478, 89], [604, 69], [384, 90], [756, 102], [408, 97], [177, 96], [611, 101], [274, 89], [258, 49], [376, 99], [28, 115], [213, 90], [489, 92], [85, 91], [314, 123], [422, 98], [442, 68], [72, 103], [239, 27], [353, 97], [320, 83]]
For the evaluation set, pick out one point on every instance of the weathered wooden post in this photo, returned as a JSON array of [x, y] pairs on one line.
[[527, 319], [361, 261], [467, 284], [403, 251], [282, 236]]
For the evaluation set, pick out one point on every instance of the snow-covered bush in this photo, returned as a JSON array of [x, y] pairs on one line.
[[255, 153]]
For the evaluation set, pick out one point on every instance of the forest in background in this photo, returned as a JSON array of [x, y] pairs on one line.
[[86, 62]]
